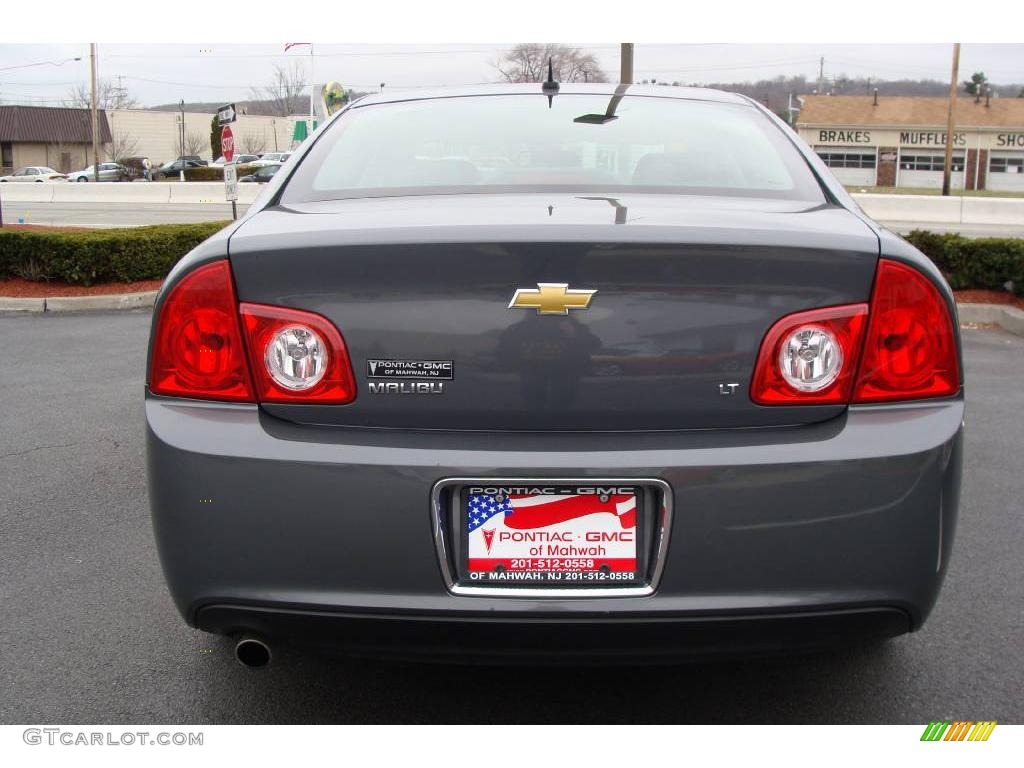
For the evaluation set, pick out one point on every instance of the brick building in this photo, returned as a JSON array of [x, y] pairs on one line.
[[899, 141], [57, 137]]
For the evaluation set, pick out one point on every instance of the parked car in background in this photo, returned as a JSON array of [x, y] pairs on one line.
[[247, 159], [36, 173], [108, 172], [262, 174], [174, 167], [269, 158]]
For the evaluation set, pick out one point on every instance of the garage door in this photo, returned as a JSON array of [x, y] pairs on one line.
[[853, 166], [1005, 171], [923, 169]]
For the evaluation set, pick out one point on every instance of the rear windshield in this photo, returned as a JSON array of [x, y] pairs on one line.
[[502, 143]]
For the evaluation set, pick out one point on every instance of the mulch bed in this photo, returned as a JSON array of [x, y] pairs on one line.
[[42, 228], [31, 290], [27, 289]]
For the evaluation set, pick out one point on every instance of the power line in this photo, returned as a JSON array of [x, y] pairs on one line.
[[41, 63], [940, 72], [730, 67], [42, 82], [301, 56]]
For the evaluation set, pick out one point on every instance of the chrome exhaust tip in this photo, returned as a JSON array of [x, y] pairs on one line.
[[252, 652]]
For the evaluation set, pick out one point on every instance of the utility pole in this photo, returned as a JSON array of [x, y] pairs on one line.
[[95, 116], [122, 94], [821, 76], [947, 167], [626, 63]]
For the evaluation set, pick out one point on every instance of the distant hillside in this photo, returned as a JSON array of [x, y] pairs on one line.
[[775, 93], [245, 106]]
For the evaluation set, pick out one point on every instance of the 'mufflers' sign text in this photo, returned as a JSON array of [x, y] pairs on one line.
[[930, 138]]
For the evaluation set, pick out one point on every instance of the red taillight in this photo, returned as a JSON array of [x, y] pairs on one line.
[[910, 350], [831, 336], [902, 348], [297, 357], [197, 349]]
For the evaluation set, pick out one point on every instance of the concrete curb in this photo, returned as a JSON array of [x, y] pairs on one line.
[[1008, 318], [106, 302], [8, 304]]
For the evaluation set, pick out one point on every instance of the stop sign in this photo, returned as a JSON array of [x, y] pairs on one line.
[[227, 143]]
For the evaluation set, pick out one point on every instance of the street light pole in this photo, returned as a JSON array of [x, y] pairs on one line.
[[95, 116], [181, 155], [311, 89]]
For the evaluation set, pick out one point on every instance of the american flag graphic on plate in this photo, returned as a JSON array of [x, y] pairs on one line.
[[561, 534]]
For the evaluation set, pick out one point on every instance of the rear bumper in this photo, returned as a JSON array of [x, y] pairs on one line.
[[271, 527], [653, 639]]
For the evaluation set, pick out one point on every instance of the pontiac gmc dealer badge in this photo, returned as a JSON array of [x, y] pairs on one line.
[[571, 535]]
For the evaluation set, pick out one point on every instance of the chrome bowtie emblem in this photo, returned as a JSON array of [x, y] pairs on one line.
[[551, 298]]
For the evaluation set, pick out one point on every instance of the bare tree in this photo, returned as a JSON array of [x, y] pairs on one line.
[[528, 63], [285, 91], [109, 95], [122, 145], [252, 143], [195, 142]]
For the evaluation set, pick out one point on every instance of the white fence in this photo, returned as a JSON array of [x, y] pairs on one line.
[[933, 209], [925, 209], [142, 193]]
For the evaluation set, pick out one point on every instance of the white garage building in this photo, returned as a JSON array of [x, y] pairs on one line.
[[899, 141]]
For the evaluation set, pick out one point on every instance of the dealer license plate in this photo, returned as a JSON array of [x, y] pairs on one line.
[[564, 535]]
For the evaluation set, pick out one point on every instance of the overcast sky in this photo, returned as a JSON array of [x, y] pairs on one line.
[[156, 74]]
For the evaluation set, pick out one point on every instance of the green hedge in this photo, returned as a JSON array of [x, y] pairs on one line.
[[206, 173], [145, 253], [995, 263], [99, 256]]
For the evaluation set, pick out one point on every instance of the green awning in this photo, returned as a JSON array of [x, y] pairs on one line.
[[301, 130]]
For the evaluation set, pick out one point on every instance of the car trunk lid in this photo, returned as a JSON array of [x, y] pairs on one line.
[[685, 289]]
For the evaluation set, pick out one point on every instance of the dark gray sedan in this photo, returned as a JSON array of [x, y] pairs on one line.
[[547, 373]]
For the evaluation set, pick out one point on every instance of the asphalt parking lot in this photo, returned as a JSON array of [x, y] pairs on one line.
[[88, 633]]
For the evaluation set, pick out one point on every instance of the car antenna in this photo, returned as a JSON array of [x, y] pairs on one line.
[[550, 86]]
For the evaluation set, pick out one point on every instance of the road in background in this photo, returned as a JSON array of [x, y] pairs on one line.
[[89, 633], [132, 214]]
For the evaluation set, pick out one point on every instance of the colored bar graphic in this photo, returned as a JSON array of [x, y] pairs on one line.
[[959, 730], [982, 730], [934, 731]]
